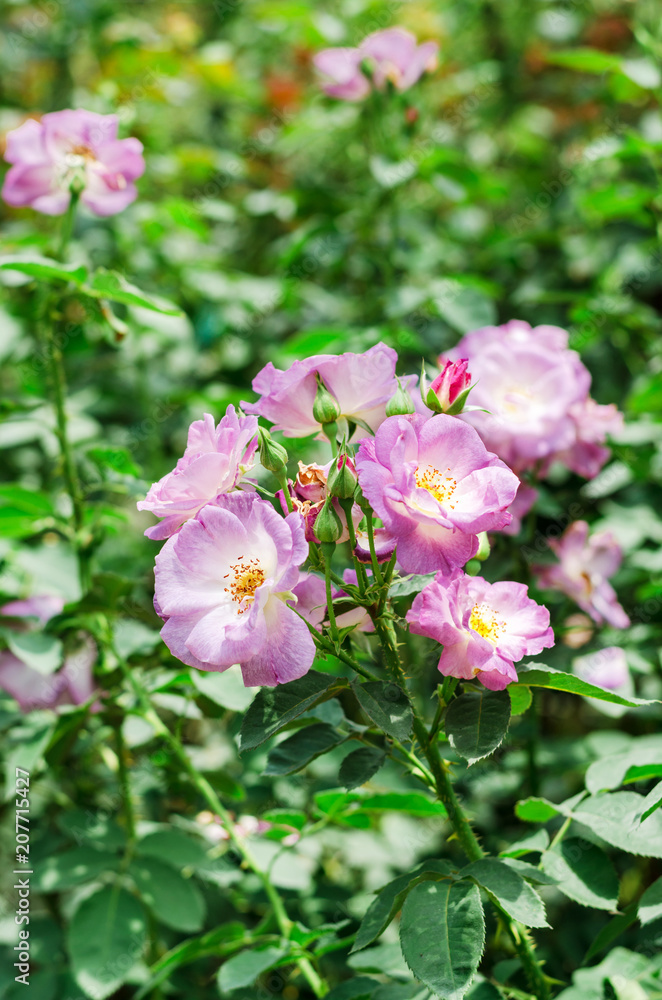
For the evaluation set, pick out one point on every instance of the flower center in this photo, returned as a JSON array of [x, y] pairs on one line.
[[485, 622], [245, 576], [440, 485]]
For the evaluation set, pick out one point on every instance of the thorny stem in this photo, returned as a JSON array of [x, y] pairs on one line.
[[317, 985], [328, 549], [466, 837]]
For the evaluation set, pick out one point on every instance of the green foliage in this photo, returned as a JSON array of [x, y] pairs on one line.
[[107, 932], [477, 722]]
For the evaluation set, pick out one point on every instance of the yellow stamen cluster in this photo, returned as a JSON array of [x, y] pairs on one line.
[[440, 485], [485, 622], [247, 575]]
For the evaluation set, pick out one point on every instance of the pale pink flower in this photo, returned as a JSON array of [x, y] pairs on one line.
[[392, 56]]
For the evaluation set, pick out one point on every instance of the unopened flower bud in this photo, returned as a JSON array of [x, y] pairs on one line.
[[448, 393], [272, 455], [325, 406], [483, 547], [400, 404], [342, 479], [328, 526]]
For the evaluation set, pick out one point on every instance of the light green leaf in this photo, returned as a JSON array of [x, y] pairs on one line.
[[389, 901], [584, 60], [44, 267], [536, 810], [614, 816], [359, 766], [650, 904], [388, 707], [477, 722], [113, 286], [244, 968], [540, 675], [538, 841], [39, 651], [298, 750], [520, 698], [652, 802], [612, 770], [442, 933], [273, 708], [226, 688], [505, 885], [583, 872], [73, 867], [175, 901], [413, 803], [107, 934]]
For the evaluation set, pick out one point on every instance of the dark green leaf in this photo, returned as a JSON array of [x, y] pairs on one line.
[[442, 932], [273, 708], [584, 873], [388, 707], [175, 901], [389, 901], [530, 872], [302, 747], [477, 722], [244, 968], [505, 885], [174, 847], [408, 585], [650, 904], [538, 841], [540, 675], [613, 930], [359, 988], [359, 766], [107, 933]]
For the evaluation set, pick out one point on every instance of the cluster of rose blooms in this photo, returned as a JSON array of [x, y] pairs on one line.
[[435, 473], [229, 581]]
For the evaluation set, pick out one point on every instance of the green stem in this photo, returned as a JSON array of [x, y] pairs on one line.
[[361, 575], [125, 784], [376, 572], [285, 486], [317, 985], [67, 225], [328, 549], [461, 826]]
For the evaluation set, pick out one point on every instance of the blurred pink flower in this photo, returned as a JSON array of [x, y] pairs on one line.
[[583, 572], [392, 56], [72, 684], [484, 627], [222, 586], [607, 668], [536, 392], [72, 149], [215, 459], [435, 487], [362, 385]]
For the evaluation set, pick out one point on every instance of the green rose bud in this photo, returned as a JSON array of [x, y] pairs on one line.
[[328, 526], [341, 482], [272, 455], [399, 404], [325, 406]]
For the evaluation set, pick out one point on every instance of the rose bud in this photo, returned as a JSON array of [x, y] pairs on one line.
[[448, 393]]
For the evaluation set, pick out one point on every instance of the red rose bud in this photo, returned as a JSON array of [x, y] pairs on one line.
[[342, 480], [448, 393]]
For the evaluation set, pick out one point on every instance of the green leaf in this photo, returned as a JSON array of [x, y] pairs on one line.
[[536, 810], [85, 826], [613, 769], [616, 926], [174, 847], [113, 286], [413, 803], [509, 889], [244, 968], [39, 651], [175, 901], [477, 722], [540, 675], [388, 707], [614, 817], [359, 988], [226, 689], [584, 60], [530, 872], [73, 867], [650, 904], [26, 501], [389, 901], [408, 585], [520, 698], [117, 459], [442, 933], [584, 873], [538, 841], [359, 766], [44, 268], [652, 802], [107, 934], [273, 708], [303, 746]]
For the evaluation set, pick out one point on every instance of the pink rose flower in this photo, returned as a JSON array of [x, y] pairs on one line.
[[66, 149], [435, 487], [447, 393], [222, 586], [72, 684], [215, 459], [393, 56], [536, 392], [583, 572], [484, 627], [357, 618], [362, 385]]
